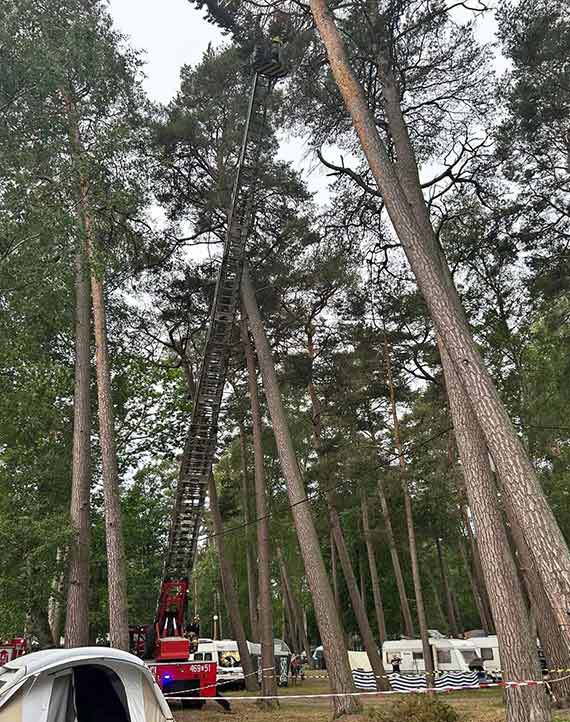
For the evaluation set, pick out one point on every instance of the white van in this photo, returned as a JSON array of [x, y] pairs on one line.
[[226, 653]]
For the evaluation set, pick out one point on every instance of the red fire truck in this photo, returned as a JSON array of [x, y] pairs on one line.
[[11, 649]]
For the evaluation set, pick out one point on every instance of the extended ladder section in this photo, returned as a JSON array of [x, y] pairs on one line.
[[200, 446]]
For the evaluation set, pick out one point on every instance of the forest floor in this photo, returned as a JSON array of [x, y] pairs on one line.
[[477, 706]]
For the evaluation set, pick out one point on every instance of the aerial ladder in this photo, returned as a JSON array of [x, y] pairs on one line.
[[166, 642]]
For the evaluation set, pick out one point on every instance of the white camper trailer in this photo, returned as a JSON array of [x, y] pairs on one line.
[[487, 650], [448, 654], [87, 684]]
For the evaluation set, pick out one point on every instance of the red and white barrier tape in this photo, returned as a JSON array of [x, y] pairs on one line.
[[331, 695]]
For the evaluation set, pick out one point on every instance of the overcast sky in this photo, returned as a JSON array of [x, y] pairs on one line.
[[172, 34]]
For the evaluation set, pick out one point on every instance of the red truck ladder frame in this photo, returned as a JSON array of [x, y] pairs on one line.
[[165, 641]]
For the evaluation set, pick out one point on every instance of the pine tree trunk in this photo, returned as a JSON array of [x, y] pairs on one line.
[[77, 616], [330, 628], [516, 645], [362, 575], [290, 636], [229, 589], [294, 621], [288, 612], [269, 683], [404, 604], [295, 608], [447, 591], [457, 612], [548, 547], [420, 608], [437, 602], [116, 564], [334, 573], [54, 601], [376, 593], [474, 588], [357, 602], [356, 597], [542, 615], [471, 382], [249, 554], [478, 570]]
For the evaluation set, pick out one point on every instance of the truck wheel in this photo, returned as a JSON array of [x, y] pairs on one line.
[[192, 703]]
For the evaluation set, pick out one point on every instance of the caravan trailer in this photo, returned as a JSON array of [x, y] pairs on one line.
[[488, 650], [448, 654]]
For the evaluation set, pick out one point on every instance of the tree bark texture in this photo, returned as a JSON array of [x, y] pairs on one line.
[[357, 598], [544, 538], [295, 607], [475, 590], [330, 628], [451, 618], [457, 612], [334, 574], [376, 592], [54, 602], [229, 588], [542, 618], [269, 683], [288, 619], [77, 616], [420, 607], [249, 554], [404, 603], [362, 575], [516, 645], [478, 570], [116, 564], [437, 602], [357, 602]]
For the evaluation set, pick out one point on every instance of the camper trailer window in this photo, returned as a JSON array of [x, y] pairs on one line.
[[469, 655], [444, 656], [418, 656], [487, 654]]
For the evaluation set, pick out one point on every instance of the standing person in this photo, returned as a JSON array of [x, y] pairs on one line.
[[395, 662], [295, 667], [224, 704]]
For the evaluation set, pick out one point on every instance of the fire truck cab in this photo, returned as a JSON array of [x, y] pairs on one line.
[[166, 648]]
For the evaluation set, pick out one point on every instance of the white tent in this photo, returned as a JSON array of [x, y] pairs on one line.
[[87, 684]]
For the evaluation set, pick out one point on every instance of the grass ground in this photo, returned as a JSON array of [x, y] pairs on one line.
[[476, 706]]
